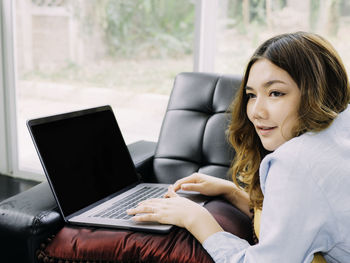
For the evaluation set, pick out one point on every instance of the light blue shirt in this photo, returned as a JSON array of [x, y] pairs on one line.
[[306, 208]]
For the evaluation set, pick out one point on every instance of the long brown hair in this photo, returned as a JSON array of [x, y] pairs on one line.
[[318, 71]]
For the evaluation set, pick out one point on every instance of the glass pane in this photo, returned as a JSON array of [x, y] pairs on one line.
[[79, 54], [244, 24]]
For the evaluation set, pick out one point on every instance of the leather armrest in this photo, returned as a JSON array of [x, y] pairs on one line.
[[26, 220]]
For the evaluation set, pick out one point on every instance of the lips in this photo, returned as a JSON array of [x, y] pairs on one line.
[[265, 130]]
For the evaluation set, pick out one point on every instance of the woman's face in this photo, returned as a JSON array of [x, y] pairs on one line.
[[273, 102]]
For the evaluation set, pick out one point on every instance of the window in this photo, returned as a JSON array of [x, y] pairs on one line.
[[79, 54]]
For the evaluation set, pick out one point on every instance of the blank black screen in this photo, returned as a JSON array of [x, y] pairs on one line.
[[85, 158]]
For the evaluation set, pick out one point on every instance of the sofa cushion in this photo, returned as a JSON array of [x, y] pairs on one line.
[[82, 244]]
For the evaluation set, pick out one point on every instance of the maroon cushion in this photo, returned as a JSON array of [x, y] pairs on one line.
[[83, 244]]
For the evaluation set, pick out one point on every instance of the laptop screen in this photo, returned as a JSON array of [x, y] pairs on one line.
[[84, 155]]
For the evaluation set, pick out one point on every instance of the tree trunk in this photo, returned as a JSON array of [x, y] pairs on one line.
[[332, 23], [246, 12], [268, 7]]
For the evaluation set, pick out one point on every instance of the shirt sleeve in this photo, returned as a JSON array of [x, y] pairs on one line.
[[293, 220], [225, 247]]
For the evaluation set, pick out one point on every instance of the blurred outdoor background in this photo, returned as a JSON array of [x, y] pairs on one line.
[[75, 54]]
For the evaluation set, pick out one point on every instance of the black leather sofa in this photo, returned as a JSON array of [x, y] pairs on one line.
[[192, 139]]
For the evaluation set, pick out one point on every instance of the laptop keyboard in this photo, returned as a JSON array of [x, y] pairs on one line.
[[118, 209]]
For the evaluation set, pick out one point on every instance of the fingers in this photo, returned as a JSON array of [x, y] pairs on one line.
[[145, 211], [146, 218], [149, 206], [171, 193], [141, 209], [192, 187], [189, 179]]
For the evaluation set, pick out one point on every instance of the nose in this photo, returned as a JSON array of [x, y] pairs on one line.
[[259, 109]]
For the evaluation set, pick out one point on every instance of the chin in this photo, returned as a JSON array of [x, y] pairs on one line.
[[271, 147]]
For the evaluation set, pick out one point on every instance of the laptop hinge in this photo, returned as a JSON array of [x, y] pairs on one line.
[[139, 177]]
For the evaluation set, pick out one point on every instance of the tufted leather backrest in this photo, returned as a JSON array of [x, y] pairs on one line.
[[192, 138]]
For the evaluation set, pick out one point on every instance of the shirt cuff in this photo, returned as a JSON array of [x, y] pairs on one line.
[[222, 246]]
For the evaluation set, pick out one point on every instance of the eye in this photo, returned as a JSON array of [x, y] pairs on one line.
[[250, 95], [276, 94]]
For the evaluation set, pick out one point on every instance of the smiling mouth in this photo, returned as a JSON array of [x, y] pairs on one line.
[[264, 130]]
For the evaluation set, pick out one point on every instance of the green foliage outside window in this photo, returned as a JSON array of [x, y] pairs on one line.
[[150, 28]]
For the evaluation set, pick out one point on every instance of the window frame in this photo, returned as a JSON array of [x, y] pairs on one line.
[[9, 163], [6, 144]]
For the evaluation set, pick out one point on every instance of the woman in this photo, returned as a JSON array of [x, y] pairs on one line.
[[291, 131]]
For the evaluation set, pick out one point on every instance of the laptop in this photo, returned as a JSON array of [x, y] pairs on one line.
[[90, 170]]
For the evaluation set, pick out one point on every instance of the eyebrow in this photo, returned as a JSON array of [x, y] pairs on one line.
[[268, 84]]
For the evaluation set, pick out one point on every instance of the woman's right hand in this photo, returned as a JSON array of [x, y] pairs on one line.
[[205, 184]]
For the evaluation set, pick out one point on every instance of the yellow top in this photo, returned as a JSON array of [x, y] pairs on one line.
[[318, 258]]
